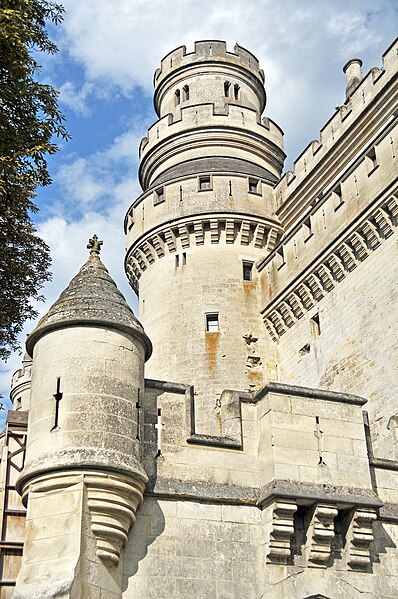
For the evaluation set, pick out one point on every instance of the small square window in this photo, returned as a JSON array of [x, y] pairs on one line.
[[212, 323], [247, 271], [159, 196], [253, 185], [204, 183]]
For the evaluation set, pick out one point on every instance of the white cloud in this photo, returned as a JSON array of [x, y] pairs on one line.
[[76, 99], [302, 46]]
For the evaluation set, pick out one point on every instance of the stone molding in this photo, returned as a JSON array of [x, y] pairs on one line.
[[206, 230], [359, 537], [321, 535], [353, 249], [113, 500], [280, 522]]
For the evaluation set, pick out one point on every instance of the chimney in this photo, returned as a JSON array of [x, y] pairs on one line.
[[353, 73]]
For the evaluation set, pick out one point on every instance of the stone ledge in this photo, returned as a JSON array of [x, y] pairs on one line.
[[306, 492], [296, 390]]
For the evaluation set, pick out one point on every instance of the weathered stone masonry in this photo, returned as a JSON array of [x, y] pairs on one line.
[[244, 445]]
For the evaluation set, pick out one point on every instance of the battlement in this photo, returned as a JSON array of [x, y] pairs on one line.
[[343, 119], [207, 51], [206, 115]]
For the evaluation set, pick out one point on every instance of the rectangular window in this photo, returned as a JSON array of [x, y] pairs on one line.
[[159, 196], [280, 255], [337, 197], [307, 229], [315, 326], [184, 258], [130, 222], [247, 271], [212, 323], [371, 160], [204, 183], [253, 185]]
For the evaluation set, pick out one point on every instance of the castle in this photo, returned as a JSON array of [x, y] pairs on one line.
[[239, 440]]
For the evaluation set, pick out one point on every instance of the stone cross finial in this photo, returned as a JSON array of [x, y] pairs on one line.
[[94, 245]]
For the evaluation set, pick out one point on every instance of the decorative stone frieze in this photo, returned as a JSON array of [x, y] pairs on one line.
[[352, 250], [196, 231]]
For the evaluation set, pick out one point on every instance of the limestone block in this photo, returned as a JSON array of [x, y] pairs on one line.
[[279, 523]]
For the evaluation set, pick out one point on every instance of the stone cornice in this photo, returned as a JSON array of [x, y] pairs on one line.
[[203, 229]]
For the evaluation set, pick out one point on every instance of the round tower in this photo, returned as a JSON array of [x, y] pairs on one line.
[[208, 168], [84, 419]]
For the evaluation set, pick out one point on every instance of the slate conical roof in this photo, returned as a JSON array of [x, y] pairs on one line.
[[91, 298]]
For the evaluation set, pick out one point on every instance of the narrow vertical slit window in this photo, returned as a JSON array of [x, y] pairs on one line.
[[227, 87], [212, 323], [177, 260], [184, 258], [177, 97], [315, 326], [236, 91], [185, 91], [247, 271]]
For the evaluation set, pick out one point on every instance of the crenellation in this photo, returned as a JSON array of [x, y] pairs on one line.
[[211, 51], [338, 126]]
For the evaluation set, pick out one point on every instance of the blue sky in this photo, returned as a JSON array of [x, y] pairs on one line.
[[107, 55]]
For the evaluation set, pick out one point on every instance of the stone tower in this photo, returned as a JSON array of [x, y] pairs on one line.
[[82, 479], [207, 168], [262, 443]]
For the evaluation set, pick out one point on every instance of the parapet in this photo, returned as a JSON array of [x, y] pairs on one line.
[[207, 51], [361, 99]]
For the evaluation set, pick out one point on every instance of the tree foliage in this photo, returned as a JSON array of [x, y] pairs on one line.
[[29, 120]]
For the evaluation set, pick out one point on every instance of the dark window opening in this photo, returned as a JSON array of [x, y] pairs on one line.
[[307, 228], [159, 196], [280, 252], [253, 185], [204, 183], [227, 87], [338, 197], [212, 323], [236, 91], [372, 160], [247, 271], [185, 91], [177, 97], [184, 258], [315, 326]]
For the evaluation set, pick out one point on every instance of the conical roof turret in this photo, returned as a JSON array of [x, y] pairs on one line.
[[91, 299]]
